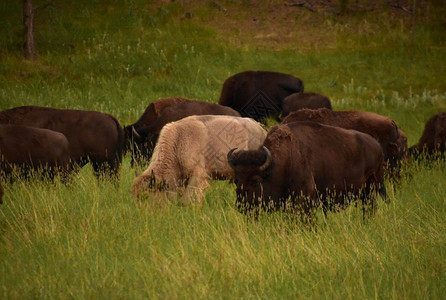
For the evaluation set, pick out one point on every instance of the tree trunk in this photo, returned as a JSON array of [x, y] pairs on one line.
[[29, 47]]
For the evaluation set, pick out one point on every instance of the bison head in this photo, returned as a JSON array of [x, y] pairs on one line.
[[141, 143], [251, 168]]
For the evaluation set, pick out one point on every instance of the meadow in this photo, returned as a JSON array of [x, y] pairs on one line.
[[88, 239]]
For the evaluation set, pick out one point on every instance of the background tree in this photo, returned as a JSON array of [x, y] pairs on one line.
[[29, 47]]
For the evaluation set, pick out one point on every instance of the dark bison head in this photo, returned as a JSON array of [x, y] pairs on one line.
[[251, 170], [140, 142]]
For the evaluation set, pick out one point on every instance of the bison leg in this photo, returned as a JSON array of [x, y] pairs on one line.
[[108, 169], [195, 188]]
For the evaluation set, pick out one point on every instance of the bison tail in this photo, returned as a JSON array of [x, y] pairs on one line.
[[120, 147], [115, 158]]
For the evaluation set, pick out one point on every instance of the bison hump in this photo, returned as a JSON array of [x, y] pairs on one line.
[[279, 133]]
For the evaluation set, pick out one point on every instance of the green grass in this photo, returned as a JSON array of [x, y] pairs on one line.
[[88, 239]]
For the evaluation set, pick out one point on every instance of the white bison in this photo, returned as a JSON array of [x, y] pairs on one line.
[[193, 150]]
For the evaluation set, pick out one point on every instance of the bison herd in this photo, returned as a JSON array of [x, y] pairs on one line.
[[315, 157]]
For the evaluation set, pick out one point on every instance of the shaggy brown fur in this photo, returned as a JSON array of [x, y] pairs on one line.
[[93, 136], [309, 161], [382, 128]]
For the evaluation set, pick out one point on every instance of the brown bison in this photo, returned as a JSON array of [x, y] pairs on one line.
[[259, 94], [298, 101], [193, 150], [93, 136], [433, 139], [382, 128], [154, 110], [151, 114], [24, 148], [308, 163], [145, 137]]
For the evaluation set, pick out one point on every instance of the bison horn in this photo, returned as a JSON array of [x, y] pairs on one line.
[[229, 157], [135, 133], [268, 160]]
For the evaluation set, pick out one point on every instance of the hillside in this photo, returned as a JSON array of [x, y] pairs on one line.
[[119, 56]]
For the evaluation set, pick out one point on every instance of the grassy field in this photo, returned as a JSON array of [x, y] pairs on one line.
[[88, 239]]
